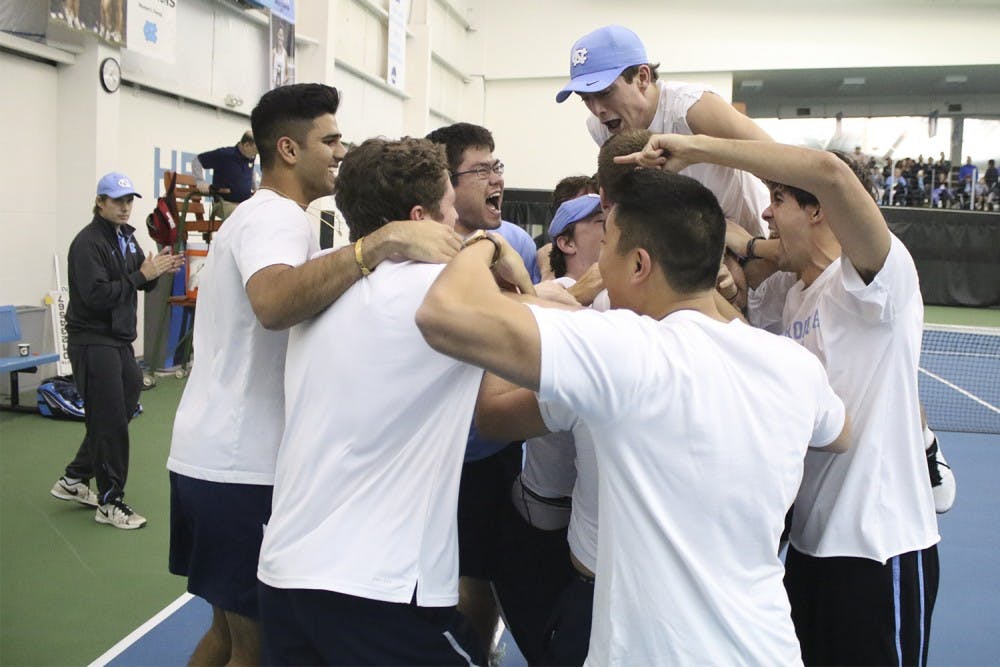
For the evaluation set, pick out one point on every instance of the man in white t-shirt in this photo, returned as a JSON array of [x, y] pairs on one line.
[[694, 480], [862, 565], [258, 282], [359, 563], [611, 73]]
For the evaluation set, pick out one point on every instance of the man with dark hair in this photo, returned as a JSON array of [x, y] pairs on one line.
[[609, 172], [691, 504], [232, 174], [478, 180], [611, 73], [862, 560], [107, 269], [359, 561], [261, 281], [490, 467], [568, 188], [577, 230]]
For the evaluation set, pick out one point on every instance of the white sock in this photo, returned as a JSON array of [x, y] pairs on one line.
[[928, 437], [72, 480]]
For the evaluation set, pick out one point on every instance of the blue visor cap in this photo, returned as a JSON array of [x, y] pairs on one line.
[[572, 211]]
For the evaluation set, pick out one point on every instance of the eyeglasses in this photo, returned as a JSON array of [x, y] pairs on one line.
[[482, 171]]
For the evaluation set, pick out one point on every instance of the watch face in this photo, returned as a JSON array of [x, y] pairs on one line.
[[111, 74]]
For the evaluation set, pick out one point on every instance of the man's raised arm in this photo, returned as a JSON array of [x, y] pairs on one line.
[[466, 316], [849, 209], [282, 295]]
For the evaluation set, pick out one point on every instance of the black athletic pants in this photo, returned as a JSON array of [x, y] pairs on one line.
[[857, 611], [109, 380]]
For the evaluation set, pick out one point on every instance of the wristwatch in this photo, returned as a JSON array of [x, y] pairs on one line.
[[483, 235]]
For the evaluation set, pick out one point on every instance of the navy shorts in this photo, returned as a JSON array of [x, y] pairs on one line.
[[567, 637], [530, 578], [483, 493], [315, 627], [857, 611], [215, 535]]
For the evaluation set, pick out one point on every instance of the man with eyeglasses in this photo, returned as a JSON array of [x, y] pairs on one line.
[[477, 176], [490, 467], [611, 73]]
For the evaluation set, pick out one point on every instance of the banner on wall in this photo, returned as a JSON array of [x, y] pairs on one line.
[[395, 74], [285, 9], [152, 28], [104, 18], [281, 71], [24, 19]]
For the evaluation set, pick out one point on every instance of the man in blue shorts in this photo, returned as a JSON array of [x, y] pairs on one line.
[[260, 281]]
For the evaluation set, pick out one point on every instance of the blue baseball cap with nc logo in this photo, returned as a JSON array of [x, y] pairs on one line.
[[116, 185], [597, 58]]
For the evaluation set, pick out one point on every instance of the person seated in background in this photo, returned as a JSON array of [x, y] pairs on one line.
[[232, 174], [942, 196]]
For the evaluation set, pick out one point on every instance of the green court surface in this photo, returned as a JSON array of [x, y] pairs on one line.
[[972, 317], [71, 588]]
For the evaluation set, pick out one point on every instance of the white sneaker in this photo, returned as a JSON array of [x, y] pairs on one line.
[[943, 484], [118, 514], [78, 491]]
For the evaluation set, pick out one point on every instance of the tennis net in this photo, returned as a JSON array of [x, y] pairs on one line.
[[960, 378]]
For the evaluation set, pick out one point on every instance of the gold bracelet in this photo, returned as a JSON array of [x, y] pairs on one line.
[[483, 235], [359, 259]]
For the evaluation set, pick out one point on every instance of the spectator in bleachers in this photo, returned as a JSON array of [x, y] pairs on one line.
[[967, 171], [942, 196]]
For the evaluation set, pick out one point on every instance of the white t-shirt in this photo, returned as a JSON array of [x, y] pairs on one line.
[[549, 468], [366, 487], [766, 302], [742, 196], [583, 529], [694, 481], [231, 415], [873, 501]]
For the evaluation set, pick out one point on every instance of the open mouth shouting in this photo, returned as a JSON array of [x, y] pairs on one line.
[[613, 125], [493, 203]]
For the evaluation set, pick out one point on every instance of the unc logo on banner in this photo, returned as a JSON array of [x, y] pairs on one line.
[[579, 57]]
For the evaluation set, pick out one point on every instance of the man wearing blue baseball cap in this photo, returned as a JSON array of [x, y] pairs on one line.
[[107, 268], [610, 71], [576, 230]]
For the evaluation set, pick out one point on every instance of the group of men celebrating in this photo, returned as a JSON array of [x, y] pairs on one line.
[[326, 488]]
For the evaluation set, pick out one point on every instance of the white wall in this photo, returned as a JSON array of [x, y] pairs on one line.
[[526, 38], [527, 46], [28, 185]]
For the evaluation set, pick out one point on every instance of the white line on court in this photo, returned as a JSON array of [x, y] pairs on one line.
[[961, 391], [137, 634]]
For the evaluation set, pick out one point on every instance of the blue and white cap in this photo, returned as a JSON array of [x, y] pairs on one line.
[[573, 210], [116, 185], [599, 57]]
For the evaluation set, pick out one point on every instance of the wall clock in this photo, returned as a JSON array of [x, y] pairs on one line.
[[111, 74]]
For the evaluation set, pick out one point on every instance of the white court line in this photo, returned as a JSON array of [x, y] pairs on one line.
[[138, 633], [963, 392]]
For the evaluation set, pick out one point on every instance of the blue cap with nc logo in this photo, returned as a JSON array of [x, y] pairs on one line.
[[597, 58], [116, 185]]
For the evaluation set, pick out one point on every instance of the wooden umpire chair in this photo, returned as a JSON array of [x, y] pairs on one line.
[[189, 212]]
